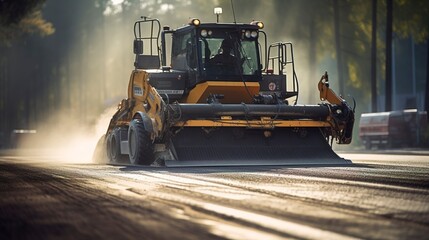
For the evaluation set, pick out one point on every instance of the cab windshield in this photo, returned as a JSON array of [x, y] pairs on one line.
[[228, 54]]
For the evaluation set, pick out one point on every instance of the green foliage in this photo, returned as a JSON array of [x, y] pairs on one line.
[[22, 16], [411, 18]]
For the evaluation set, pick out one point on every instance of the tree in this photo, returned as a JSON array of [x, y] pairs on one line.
[[427, 80], [17, 18], [22, 16], [389, 32], [374, 57], [338, 45]]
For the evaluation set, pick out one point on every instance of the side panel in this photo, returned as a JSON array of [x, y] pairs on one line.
[[146, 99], [170, 85], [233, 92]]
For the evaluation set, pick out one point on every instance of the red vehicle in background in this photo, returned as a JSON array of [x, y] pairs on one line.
[[406, 128]]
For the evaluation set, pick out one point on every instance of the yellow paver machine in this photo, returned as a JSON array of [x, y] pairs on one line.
[[224, 97]]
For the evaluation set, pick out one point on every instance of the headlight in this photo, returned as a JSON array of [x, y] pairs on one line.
[[247, 34], [203, 33], [217, 10], [254, 34], [258, 23], [272, 86], [194, 21]]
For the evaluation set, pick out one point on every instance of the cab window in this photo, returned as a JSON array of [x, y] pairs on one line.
[[183, 53]]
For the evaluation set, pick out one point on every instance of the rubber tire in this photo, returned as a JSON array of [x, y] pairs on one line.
[[140, 145], [113, 147]]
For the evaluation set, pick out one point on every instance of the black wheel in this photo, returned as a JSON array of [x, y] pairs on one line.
[[114, 147], [140, 144]]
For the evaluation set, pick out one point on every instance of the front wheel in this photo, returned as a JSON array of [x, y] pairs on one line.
[[140, 144]]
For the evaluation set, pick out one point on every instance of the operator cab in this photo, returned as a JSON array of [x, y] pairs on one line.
[[217, 52], [214, 59]]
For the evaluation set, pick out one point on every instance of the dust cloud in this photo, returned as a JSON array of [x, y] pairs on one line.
[[66, 140]]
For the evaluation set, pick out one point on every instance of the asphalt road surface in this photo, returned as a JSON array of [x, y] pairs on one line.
[[377, 197]]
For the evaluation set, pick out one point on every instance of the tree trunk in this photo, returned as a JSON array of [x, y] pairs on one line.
[[338, 47], [374, 58], [389, 31], [312, 60], [427, 79]]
